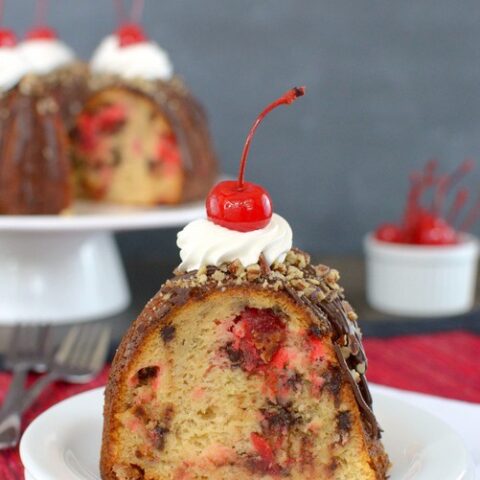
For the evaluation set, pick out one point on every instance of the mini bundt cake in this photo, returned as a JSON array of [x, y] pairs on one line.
[[141, 138], [248, 364]]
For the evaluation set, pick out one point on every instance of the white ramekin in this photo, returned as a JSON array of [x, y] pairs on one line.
[[421, 281]]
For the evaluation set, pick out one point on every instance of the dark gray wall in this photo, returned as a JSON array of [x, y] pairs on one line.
[[391, 83]]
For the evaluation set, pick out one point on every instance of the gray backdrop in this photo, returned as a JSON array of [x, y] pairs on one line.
[[390, 84]]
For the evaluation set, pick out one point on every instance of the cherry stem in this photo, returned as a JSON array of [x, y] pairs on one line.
[[41, 13], [120, 9], [137, 11], [286, 99], [447, 183], [472, 217], [460, 199], [416, 188]]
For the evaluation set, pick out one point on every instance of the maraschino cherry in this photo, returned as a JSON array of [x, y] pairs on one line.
[[130, 32], [245, 206], [429, 225], [7, 36], [40, 31]]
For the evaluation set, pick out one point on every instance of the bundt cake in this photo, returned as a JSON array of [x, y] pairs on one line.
[[141, 138], [35, 171], [128, 131], [248, 364]]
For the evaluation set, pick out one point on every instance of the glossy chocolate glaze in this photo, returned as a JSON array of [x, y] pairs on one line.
[[35, 173]]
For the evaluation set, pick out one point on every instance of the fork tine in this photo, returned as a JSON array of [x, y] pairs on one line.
[[88, 346], [13, 343], [99, 350], [67, 345], [79, 355], [45, 338]]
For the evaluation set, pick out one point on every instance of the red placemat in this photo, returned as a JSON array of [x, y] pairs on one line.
[[445, 364], [10, 466]]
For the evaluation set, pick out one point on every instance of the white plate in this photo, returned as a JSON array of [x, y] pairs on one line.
[[64, 442], [88, 216]]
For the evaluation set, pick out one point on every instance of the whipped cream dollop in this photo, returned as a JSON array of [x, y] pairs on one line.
[[45, 56], [13, 67], [141, 60], [203, 243]]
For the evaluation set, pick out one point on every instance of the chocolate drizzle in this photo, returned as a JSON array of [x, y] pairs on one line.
[[346, 335]]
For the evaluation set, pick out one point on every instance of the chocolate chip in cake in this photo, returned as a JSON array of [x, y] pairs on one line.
[[333, 465], [333, 381], [344, 421], [140, 412], [153, 164], [159, 434], [116, 157], [168, 333], [162, 428], [315, 331], [294, 381], [147, 373], [278, 418], [235, 356], [344, 425]]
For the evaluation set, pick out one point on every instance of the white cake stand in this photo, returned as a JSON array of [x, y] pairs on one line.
[[67, 268]]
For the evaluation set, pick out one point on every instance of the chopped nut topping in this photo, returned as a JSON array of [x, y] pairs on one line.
[[253, 272], [219, 276]]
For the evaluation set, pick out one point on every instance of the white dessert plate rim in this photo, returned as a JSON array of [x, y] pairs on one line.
[[94, 216], [422, 448]]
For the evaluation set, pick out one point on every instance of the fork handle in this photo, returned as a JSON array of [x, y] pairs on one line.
[[16, 387], [11, 417], [10, 421], [35, 390]]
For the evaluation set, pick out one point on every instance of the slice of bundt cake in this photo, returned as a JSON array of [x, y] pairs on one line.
[[141, 137], [240, 373], [248, 364]]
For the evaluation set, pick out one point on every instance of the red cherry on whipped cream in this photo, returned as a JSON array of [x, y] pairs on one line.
[[130, 34], [41, 33], [7, 38], [245, 206]]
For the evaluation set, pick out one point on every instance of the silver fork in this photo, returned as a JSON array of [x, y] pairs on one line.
[[30, 348], [80, 357]]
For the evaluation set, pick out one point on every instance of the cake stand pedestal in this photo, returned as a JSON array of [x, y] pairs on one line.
[[61, 269]]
